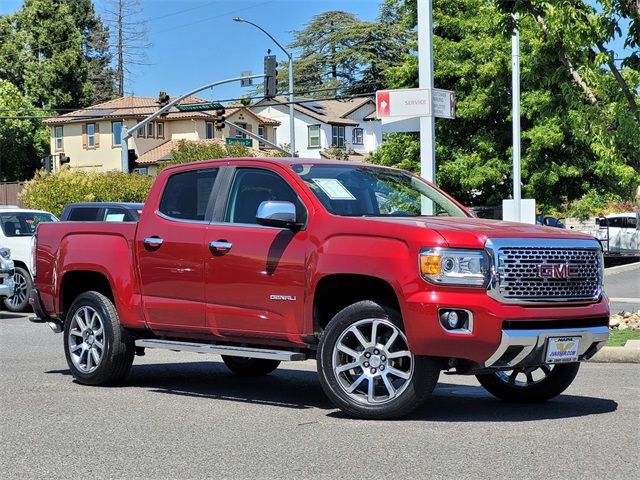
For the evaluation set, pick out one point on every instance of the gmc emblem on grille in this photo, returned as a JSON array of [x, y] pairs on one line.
[[554, 270]]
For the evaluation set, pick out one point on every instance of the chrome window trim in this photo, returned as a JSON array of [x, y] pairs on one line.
[[493, 246]]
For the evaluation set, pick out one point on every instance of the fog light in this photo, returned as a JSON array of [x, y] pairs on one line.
[[455, 319], [452, 319]]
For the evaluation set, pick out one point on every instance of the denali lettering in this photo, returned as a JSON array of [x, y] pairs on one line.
[[288, 298]]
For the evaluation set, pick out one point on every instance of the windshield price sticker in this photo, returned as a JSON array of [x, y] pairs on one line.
[[334, 189], [563, 349]]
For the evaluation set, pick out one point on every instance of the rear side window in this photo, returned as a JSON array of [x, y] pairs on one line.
[[186, 194], [84, 214]]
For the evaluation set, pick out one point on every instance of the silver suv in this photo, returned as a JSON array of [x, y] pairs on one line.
[[6, 274]]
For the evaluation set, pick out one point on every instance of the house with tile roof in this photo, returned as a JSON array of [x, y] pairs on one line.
[[90, 137], [350, 124]]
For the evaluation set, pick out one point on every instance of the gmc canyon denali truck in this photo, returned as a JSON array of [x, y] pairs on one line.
[[375, 273]]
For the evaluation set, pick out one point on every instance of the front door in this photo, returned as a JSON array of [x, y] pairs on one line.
[[171, 249], [255, 274]]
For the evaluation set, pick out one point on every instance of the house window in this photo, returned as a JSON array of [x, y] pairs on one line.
[[91, 135], [240, 134], [141, 132], [116, 128], [160, 130], [357, 136], [151, 130], [58, 137], [314, 136], [337, 136], [261, 134], [209, 133]]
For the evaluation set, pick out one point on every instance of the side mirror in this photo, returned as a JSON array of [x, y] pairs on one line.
[[277, 214]]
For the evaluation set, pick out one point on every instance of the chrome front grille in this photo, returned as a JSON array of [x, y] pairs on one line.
[[538, 271]]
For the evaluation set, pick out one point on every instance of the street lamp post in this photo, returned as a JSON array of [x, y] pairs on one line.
[[292, 128]]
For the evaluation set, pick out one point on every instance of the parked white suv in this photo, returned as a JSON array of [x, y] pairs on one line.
[[620, 233], [17, 226]]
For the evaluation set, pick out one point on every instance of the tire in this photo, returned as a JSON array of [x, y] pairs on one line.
[[20, 299], [93, 345], [250, 367], [530, 384], [372, 375]]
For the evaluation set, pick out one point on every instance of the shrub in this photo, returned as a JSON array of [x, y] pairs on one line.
[[53, 191]]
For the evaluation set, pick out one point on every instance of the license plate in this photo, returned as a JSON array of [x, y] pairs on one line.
[[563, 349]]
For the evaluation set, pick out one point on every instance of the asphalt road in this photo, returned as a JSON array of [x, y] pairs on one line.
[[622, 285], [182, 415]]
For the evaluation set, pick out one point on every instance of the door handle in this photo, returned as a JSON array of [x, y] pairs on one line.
[[152, 243], [220, 247]]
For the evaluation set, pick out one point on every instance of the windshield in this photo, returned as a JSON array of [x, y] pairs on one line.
[[357, 191], [23, 224]]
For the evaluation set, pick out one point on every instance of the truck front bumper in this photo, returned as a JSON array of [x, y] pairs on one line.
[[520, 348]]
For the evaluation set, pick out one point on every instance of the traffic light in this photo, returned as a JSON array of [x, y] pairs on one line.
[[132, 160], [64, 159], [220, 118], [270, 79], [47, 163], [163, 100]]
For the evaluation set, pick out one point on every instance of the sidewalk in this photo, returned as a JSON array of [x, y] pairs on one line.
[[630, 353]]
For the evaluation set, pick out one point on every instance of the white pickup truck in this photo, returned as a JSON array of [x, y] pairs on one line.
[[619, 233]]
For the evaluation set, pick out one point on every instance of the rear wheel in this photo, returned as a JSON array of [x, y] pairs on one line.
[[530, 384], [20, 298], [366, 367], [93, 344], [250, 367]]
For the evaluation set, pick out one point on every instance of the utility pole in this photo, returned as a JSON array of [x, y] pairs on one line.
[[120, 46], [515, 80], [425, 69]]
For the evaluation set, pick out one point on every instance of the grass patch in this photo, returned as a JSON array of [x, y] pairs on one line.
[[617, 338]]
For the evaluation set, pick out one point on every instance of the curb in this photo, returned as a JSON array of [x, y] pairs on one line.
[[617, 355], [620, 268]]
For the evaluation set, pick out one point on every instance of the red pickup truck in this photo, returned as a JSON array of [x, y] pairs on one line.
[[378, 275]]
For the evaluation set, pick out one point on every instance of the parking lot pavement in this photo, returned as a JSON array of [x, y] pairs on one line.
[[182, 415], [622, 285]]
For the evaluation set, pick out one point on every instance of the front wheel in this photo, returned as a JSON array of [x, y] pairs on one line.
[[366, 367], [530, 384], [93, 343], [20, 298], [250, 367]]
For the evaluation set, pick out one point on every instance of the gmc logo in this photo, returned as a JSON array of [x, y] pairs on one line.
[[553, 270]]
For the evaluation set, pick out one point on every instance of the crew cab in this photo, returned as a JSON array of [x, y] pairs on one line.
[[381, 277]]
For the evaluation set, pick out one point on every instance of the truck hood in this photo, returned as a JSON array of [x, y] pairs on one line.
[[474, 232]]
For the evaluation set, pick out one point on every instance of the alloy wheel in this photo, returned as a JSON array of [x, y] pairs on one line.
[[20, 291], [86, 339], [372, 362], [525, 376]]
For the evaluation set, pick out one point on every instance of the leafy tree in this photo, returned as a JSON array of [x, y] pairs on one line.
[[193, 151], [22, 140], [571, 144], [339, 52]]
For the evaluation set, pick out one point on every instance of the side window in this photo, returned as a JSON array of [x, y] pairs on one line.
[[251, 187], [186, 194], [84, 214], [115, 215], [632, 223], [616, 222]]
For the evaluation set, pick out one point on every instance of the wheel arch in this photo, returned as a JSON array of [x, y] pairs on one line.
[[76, 282], [337, 291]]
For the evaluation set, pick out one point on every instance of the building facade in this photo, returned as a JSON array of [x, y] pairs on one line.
[[350, 124], [91, 137]]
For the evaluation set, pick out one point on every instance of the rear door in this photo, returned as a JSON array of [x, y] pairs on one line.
[[255, 277], [171, 250]]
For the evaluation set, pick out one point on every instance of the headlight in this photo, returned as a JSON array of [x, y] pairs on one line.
[[5, 253], [449, 266]]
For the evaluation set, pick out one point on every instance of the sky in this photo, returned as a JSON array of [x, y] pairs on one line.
[[196, 42]]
